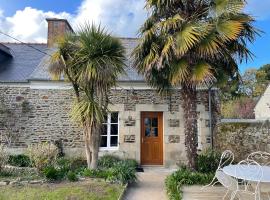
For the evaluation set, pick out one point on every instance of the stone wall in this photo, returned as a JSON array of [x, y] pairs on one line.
[[242, 137], [48, 119]]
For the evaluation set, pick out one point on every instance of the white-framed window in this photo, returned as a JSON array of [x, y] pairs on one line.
[[110, 132]]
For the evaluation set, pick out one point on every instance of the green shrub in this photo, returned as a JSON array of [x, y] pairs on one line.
[[184, 176], [92, 173], [208, 161], [108, 161], [52, 174], [5, 173], [42, 155], [122, 172], [63, 164], [71, 176], [132, 163], [3, 157], [19, 160], [77, 163]]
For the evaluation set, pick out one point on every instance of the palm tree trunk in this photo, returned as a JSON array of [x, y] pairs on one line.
[[190, 116], [95, 141], [88, 152], [92, 141]]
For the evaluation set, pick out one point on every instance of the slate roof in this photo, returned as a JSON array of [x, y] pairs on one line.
[[29, 64], [22, 64]]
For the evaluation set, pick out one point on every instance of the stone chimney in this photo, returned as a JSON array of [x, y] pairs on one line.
[[56, 29]]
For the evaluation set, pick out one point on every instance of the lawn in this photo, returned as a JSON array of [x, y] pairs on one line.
[[89, 190]]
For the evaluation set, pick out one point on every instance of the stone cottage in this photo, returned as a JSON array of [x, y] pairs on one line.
[[141, 125], [262, 108]]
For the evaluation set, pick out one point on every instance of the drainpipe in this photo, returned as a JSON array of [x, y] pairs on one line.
[[210, 117]]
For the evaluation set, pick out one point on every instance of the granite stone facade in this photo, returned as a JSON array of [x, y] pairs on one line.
[[243, 138], [48, 120]]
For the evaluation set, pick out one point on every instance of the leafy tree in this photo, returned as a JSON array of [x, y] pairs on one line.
[[91, 60], [191, 43], [238, 108], [266, 69]]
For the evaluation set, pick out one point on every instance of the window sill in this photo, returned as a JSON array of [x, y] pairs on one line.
[[108, 148]]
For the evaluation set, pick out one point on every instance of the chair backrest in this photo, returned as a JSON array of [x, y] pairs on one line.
[[263, 158], [255, 172], [227, 158], [227, 181]]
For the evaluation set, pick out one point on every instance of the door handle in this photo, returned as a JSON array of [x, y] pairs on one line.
[[142, 139]]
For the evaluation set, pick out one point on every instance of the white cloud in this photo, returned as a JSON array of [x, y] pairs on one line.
[[259, 9], [121, 17], [28, 25]]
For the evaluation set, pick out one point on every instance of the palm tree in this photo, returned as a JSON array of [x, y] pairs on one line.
[[91, 60], [191, 43]]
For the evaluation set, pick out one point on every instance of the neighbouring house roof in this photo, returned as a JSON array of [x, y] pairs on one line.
[[23, 62], [29, 64]]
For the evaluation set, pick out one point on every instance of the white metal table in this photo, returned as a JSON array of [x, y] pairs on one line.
[[249, 172]]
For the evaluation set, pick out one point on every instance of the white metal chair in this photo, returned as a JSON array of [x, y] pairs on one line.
[[245, 190], [227, 158], [228, 182], [263, 158]]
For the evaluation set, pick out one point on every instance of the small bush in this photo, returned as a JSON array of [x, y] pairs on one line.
[[3, 157], [122, 172], [77, 163], [95, 173], [42, 155], [71, 176], [184, 176], [132, 163], [108, 161], [63, 164], [19, 160], [208, 161], [51, 173]]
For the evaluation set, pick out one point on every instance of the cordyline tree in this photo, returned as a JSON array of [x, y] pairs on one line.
[[91, 60], [191, 43]]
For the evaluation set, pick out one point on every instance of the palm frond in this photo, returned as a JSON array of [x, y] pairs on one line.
[[180, 72], [202, 74], [189, 36], [221, 7], [229, 29], [87, 109]]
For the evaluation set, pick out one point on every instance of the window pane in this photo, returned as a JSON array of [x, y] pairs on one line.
[[147, 122], [114, 129], [103, 142], [104, 129], [155, 132], [114, 141], [154, 122], [114, 117], [147, 132]]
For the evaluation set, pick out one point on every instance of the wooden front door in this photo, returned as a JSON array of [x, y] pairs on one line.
[[151, 138]]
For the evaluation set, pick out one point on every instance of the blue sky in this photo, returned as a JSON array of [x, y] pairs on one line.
[[24, 19]]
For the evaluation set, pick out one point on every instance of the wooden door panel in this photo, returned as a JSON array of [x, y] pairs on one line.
[[151, 138]]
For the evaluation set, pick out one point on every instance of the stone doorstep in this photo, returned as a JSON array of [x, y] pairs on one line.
[[154, 168]]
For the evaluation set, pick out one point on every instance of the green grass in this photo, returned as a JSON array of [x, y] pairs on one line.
[[90, 190]]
